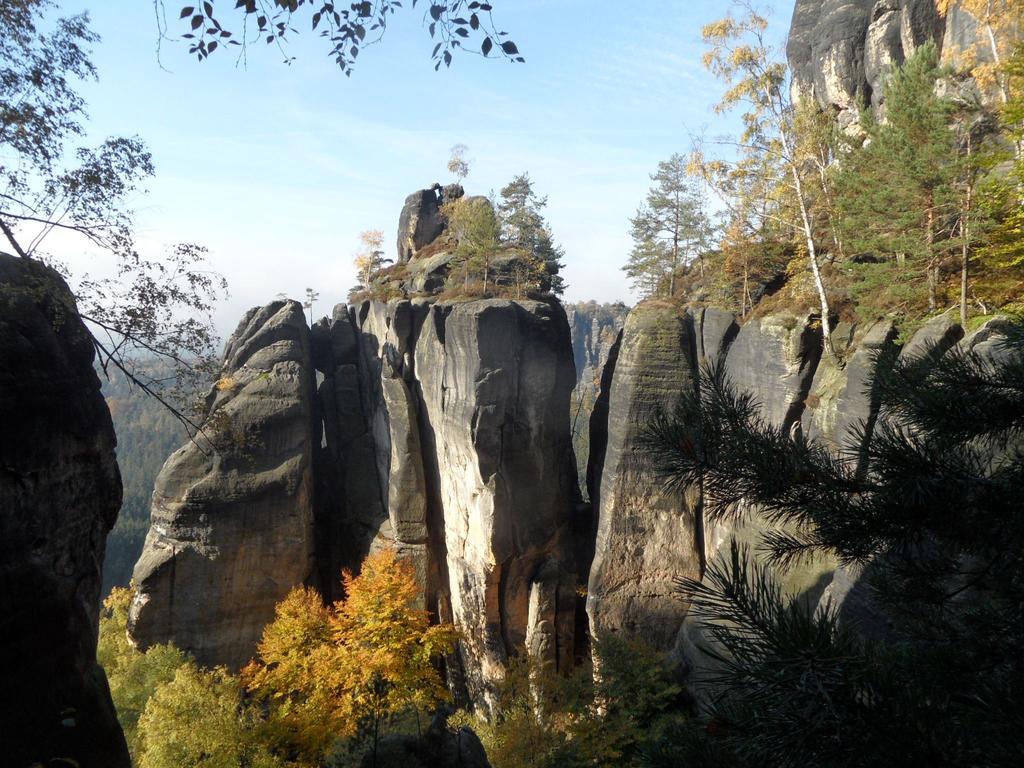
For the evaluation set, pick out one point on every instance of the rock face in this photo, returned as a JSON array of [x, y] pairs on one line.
[[232, 519], [421, 222], [595, 329], [840, 51], [60, 491], [495, 378], [646, 536], [445, 435]]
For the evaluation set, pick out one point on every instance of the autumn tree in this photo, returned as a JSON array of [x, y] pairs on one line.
[[335, 672], [133, 675], [999, 27], [520, 212], [52, 182], [999, 194], [670, 229], [370, 257], [543, 719], [199, 718], [458, 163], [759, 82], [348, 27]]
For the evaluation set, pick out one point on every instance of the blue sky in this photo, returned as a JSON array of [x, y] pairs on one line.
[[277, 168]]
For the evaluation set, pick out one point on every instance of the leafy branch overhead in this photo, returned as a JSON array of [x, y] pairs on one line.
[[455, 24]]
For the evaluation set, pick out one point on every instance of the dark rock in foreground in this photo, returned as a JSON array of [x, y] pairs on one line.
[[59, 495]]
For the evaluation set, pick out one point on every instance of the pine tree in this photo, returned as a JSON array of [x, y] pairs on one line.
[[931, 511], [523, 227], [898, 192], [670, 230]]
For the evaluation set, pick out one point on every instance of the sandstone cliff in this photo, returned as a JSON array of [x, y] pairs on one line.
[[648, 536], [841, 50], [232, 517], [595, 330], [445, 435], [59, 495]]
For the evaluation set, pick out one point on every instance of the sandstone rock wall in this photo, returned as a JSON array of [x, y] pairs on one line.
[[646, 537], [232, 525], [60, 491], [840, 51], [595, 329], [440, 430]]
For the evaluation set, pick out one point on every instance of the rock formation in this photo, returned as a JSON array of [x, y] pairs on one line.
[[445, 435], [840, 51], [60, 491], [232, 517], [420, 223], [595, 329], [646, 536]]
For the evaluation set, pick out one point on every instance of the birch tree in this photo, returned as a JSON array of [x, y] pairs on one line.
[[758, 82]]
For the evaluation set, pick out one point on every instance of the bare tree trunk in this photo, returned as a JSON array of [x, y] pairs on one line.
[[746, 293], [812, 255], [965, 238], [826, 190], [933, 302], [9, 234]]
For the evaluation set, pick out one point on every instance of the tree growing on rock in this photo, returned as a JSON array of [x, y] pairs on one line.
[[458, 163], [51, 182], [473, 225], [897, 192], [524, 229], [759, 82], [670, 230], [370, 257]]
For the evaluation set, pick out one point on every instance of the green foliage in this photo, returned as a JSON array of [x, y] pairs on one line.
[[349, 28], [897, 193], [670, 230], [199, 719], [474, 226], [147, 433], [503, 249], [50, 182], [523, 228], [543, 719], [1001, 193], [928, 511], [133, 676]]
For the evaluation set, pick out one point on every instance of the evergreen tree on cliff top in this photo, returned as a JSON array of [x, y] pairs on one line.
[[523, 227], [669, 231], [930, 510]]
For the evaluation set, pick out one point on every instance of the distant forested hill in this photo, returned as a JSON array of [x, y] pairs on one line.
[[147, 433]]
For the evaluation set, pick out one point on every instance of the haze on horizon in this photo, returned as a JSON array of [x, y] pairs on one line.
[[277, 168]]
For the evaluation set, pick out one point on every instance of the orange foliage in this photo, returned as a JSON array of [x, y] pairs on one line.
[[326, 671]]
